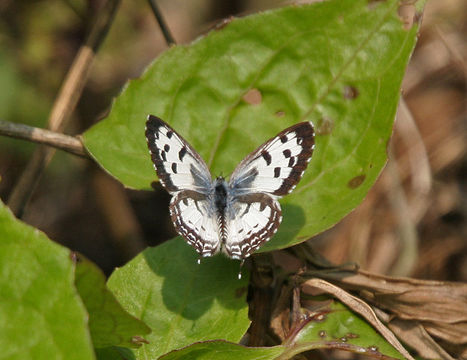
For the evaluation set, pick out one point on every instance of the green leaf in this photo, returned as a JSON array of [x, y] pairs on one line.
[[181, 301], [336, 327], [41, 314], [213, 350], [338, 64], [109, 323]]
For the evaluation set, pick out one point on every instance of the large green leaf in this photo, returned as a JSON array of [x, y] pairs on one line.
[[41, 314], [181, 301], [109, 323], [338, 64]]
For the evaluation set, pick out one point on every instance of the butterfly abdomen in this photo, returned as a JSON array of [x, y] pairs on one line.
[[220, 204]]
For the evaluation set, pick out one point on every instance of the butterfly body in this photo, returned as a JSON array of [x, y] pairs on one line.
[[235, 216]]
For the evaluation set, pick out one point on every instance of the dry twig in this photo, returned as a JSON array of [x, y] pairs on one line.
[[63, 107], [67, 143]]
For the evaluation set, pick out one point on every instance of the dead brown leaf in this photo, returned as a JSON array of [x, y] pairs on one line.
[[438, 307], [359, 306]]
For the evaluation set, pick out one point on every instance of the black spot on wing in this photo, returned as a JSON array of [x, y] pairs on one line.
[[170, 133], [305, 135], [174, 168], [267, 157], [287, 153], [166, 147], [154, 127], [181, 153], [277, 172]]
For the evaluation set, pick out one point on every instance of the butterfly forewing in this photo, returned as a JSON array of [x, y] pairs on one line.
[[277, 166], [178, 165]]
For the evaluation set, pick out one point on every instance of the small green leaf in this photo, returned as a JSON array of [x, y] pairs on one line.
[[181, 301], [336, 63], [336, 327], [41, 314], [109, 323], [220, 350]]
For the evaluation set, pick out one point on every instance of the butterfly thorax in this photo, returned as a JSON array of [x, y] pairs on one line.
[[220, 204]]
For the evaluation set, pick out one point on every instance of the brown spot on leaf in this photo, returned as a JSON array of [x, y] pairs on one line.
[[280, 113], [350, 92], [325, 126], [407, 14], [351, 336], [253, 97], [322, 334], [356, 181]]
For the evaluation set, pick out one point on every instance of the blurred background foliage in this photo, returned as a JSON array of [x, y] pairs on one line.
[[412, 222]]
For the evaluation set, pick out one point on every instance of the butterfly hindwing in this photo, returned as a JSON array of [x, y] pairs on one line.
[[192, 215], [178, 165], [254, 220], [277, 166]]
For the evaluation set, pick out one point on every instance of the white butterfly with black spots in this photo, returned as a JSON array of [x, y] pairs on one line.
[[238, 216]]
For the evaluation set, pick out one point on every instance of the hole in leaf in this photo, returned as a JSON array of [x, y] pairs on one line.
[[407, 15]]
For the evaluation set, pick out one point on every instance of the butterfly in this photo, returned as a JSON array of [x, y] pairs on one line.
[[237, 216]]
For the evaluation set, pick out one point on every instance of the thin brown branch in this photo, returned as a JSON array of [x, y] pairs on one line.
[[162, 24], [67, 143], [63, 107]]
